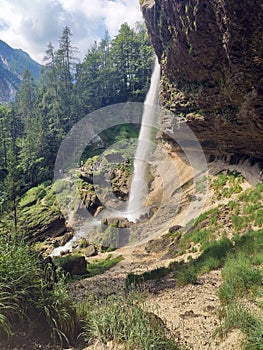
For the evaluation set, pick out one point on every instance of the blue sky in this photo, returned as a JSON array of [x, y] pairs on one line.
[[31, 24]]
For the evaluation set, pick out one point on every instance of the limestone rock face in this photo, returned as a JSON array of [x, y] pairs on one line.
[[211, 54]]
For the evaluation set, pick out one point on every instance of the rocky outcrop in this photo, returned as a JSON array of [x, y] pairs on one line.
[[54, 227], [72, 264], [104, 184], [211, 54]]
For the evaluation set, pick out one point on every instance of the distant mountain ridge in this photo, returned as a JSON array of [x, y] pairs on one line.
[[13, 63]]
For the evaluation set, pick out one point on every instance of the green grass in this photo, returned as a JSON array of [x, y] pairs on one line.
[[99, 266], [95, 267], [212, 257], [237, 316], [34, 209], [242, 272], [25, 295], [33, 195], [240, 277], [227, 183], [242, 280], [124, 320]]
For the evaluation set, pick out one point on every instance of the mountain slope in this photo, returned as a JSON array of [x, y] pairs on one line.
[[13, 63]]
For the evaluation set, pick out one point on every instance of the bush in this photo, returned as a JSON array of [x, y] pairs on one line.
[[216, 250]]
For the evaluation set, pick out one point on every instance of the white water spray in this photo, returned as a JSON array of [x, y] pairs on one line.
[[139, 186]]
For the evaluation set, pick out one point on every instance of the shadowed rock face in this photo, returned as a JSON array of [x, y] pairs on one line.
[[211, 54]]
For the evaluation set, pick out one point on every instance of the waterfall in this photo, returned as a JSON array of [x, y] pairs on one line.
[[139, 186]]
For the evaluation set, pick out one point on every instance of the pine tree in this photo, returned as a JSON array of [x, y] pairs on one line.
[[30, 141]]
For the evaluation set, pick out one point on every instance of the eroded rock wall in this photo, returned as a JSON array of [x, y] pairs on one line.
[[211, 53]]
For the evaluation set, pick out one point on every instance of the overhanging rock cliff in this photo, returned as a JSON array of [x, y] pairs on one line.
[[211, 53]]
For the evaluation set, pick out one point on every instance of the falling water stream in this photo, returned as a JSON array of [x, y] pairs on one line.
[[139, 186]]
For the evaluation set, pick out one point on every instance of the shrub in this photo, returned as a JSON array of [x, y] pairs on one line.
[[237, 316], [216, 250], [251, 243], [33, 195]]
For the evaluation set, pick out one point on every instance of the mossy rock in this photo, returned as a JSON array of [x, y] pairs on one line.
[[73, 264]]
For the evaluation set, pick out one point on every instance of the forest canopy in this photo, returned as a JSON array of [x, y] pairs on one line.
[[33, 127]]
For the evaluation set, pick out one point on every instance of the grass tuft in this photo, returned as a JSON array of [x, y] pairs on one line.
[[123, 320]]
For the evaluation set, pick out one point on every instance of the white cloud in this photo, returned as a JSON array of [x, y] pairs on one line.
[[32, 24]]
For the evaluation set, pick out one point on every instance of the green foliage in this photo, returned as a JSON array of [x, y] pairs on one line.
[[33, 195], [64, 260], [116, 70], [24, 294], [36, 208], [123, 320], [227, 183], [240, 278], [201, 231], [95, 267], [241, 271], [32, 130], [99, 266], [82, 243], [254, 339], [236, 316], [216, 250], [186, 274], [212, 257]]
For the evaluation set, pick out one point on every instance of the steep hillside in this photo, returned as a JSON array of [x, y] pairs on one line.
[[211, 54], [13, 63], [188, 276]]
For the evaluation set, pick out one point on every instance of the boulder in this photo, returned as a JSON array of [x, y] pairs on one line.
[[174, 228], [91, 250], [74, 265], [66, 238]]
